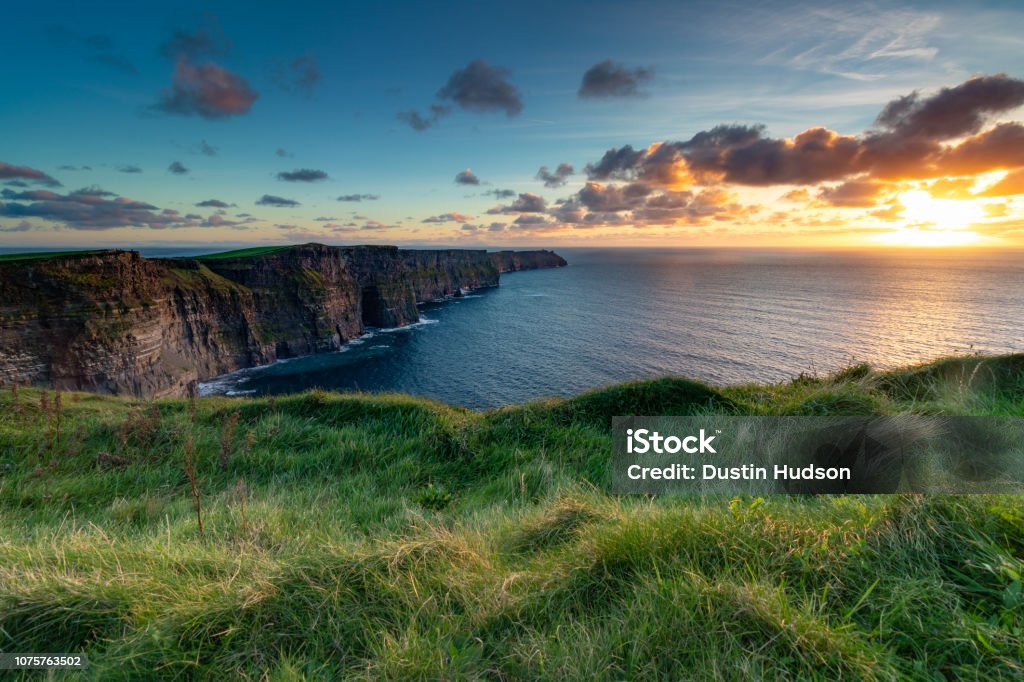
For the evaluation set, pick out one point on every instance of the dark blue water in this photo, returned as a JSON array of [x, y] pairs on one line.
[[720, 316]]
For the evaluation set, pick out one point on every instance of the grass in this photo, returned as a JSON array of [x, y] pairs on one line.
[[389, 537], [39, 255], [243, 253]]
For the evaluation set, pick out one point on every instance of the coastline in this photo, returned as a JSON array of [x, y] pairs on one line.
[[114, 322]]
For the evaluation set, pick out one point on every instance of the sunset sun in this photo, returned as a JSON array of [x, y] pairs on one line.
[[928, 221]]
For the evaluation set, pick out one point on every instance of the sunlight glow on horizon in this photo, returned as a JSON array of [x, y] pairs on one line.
[[932, 222], [917, 236], [922, 209]]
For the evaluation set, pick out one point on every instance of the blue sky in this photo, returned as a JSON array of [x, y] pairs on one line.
[[85, 87]]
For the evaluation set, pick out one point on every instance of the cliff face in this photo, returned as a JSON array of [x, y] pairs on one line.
[[114, 322], [437, 274], [512, 261], [313, 298]]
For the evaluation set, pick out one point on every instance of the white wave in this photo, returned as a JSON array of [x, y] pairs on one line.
[[359, 340], [223, 384], [226, 384], [422, 323]]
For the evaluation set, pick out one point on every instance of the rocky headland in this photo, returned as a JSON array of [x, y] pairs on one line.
[[115, 322], [513, 261]]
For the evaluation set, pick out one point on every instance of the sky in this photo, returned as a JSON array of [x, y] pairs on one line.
[[513, 124]]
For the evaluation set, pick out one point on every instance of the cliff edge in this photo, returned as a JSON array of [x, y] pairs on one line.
[[115, 322]]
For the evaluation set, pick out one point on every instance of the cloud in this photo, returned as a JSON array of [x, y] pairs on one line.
[[815, 155], [493, 227], [1001, 147], [87, 210], [207, 41], [527, 202], [206, 90], [420, 122], [952, 112], [207, 149], [129, 169], [359, 197], [74, 168], [616, 162], [531, 221], [640, 205], [271, 200], [1010, 185], [952, 188], [94, 191], [23, 226], [855, 41], [115, 62], [556, 179], [283, 153], [218, 220], [482, 87], [501, 193], [300, 75], [177, 168], [26, 174], [453, 217], [302, 175], [214, 203], [910, 140], [99, 48], [350, 228], [854, 193], [609, 79], [613, 198], [796, 195], [467, 177], [478, 87]]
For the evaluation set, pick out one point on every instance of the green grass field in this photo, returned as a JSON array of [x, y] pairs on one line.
[[41, 255], [388, 537], [238, 253], [243, 253]]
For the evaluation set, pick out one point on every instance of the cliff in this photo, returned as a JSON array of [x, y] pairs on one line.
[[437, 274], [115, 322], [512, 261]]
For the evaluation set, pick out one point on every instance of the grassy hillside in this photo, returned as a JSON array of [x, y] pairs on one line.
[[382, 537], [243, 253]]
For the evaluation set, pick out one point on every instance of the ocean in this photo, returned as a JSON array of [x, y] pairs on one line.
[[720, 316]]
